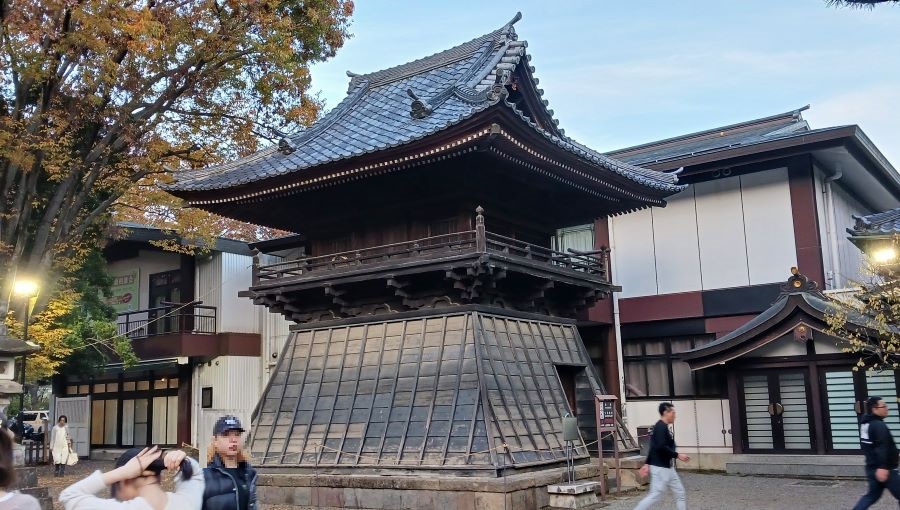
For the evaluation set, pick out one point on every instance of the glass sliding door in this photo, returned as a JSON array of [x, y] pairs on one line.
[[775, 410], [845, 393], [842, 406]]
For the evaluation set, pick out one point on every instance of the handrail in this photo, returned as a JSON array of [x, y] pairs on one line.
[[457, 242], [194, 318]]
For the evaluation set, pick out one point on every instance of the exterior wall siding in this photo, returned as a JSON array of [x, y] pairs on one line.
[[851, 259], [847, 269], [238, 314], [275, 333], [698, 429], [730, 232], [147, 262], [236, 384], [209, 278]]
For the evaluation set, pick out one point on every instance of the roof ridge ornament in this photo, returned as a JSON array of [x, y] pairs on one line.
[[419, 108], [515, 19], [498, 89], [285, 147], [798, 282]]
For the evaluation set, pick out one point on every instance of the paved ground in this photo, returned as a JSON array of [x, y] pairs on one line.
[[704, 492], [722, 492]]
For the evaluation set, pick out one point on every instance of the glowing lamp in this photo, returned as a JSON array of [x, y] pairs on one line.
[[884, 255], [25, 288]]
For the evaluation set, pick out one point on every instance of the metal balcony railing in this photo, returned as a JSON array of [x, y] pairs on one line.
[[168, 319]]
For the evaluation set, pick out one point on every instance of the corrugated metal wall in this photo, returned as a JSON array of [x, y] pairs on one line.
[[274, 333], [236, 380], [208, 281], [236, 383], [238, 314]]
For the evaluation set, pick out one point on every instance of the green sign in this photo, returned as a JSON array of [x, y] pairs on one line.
[[126, 291]]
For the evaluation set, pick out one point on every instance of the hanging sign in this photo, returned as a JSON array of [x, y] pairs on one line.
[[125, 291]]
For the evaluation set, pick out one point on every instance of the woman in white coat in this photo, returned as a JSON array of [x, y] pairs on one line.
[[134, 484], [60, 445]]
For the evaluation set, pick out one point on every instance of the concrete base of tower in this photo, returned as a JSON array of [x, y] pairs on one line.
[[522, 491]]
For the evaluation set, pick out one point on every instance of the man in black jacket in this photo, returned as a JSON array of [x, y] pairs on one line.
[[659, 462], [230, 481], [881, 452]]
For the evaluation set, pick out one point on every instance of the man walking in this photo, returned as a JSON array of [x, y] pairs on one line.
[[659, 462], [881, 452], [230, 480]]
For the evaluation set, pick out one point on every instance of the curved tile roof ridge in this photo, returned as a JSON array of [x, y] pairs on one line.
[[439, 59], [655, 179], [884, 222], [377, 115]]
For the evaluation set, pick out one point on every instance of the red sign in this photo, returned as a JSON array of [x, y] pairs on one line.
[[606, 413]]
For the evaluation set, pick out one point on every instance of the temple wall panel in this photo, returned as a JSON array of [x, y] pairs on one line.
[[729, 232]]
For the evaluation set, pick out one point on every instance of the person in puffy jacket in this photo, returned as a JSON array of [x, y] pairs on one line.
[[230, 480], [882, 456]]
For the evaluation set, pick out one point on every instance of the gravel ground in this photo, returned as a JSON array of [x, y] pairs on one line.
[[723, 492], [704, 491]]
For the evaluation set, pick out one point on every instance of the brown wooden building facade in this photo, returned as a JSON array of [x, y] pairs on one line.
[[427, 201]]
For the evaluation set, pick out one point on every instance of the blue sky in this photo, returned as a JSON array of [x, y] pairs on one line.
[[624, 73]]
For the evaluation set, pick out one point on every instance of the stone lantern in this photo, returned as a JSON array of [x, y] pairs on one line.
[[10, 349]]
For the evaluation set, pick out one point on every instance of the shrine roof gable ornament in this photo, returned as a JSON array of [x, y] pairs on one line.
[[408, 112], [800, 308]]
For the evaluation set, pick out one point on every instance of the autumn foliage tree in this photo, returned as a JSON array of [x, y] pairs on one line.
[[101, 100], [874, 302]]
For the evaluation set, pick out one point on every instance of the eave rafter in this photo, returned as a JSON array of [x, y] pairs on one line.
[[587, 177]]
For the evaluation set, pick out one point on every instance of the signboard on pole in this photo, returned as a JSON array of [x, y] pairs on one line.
[[606, 413], [126, 289]]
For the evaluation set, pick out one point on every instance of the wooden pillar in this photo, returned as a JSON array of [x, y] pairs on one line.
[[185, 394], [611, 364], [734, 403], [802, 186], [480, 232], [818, 415]]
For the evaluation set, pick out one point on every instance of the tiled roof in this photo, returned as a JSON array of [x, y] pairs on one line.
[[798, 295], [878, 224], [725, 137], [403, 104]]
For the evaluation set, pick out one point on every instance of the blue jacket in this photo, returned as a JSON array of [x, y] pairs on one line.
[[221, 491]]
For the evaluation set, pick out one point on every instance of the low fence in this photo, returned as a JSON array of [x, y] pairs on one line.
[[36, 452]]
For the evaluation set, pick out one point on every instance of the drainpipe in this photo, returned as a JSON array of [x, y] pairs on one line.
[[831, 225]]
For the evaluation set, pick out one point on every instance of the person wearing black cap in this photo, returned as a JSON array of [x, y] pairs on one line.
[[135, 484], [882, 456], [230, 480]]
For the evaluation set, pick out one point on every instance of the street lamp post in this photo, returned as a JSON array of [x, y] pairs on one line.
[[27, 289]]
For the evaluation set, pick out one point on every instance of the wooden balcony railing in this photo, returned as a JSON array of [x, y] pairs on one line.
[[594, 263], [171, 318]]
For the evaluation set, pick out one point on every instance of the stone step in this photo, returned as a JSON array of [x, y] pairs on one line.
[[814, 466]]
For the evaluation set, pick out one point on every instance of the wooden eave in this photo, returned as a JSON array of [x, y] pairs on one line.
[[745, 154], [796, 311], [497, 127]]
